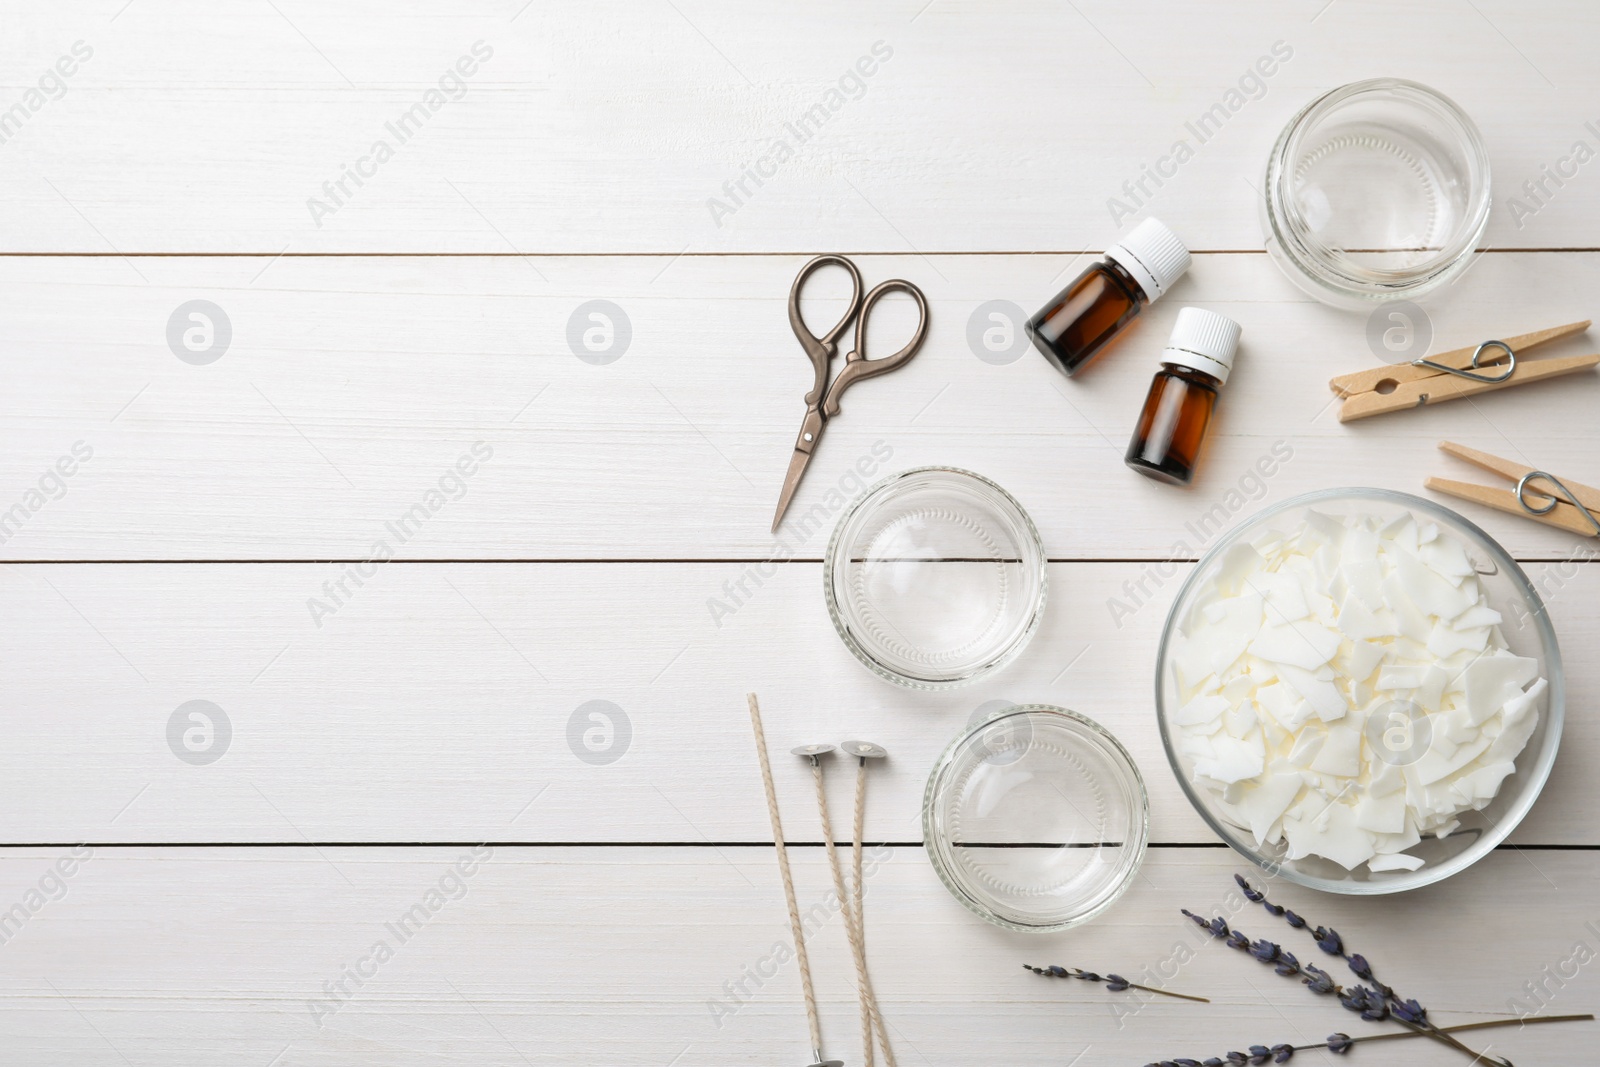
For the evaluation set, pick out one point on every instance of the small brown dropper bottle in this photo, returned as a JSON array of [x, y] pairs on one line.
[[1102, 300], [1178, 409]]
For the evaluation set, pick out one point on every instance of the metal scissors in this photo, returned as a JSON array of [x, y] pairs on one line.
[[822, 402]]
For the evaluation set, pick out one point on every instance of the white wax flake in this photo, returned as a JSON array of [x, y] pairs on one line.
[[1265, 804], [1432, 766], [1204, 708], [1239, 688], [1364, 658], [1306, 747], [1324, 529], [1398, 677], [1382, 815], [1357, 622], [1447, 558], [1493, 680], [1386, 779], [1323, 696], [1284, 598], [1306, 642], [1303, 644], [1432, 689], [1449, 638], [1429, 592], [1341, 752], [1365, 580], [1333, 835], [1478, 615], [1235, 759], [1239, 560], [1288, 708], [1240, 719], [1413, 624]]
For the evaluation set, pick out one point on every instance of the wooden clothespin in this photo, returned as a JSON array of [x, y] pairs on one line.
[[1461, 372], [1539, 495]]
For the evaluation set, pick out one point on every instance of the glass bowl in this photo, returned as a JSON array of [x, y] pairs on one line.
[[935, 578], [1378, 190], [1527, 632], [1035, 818]]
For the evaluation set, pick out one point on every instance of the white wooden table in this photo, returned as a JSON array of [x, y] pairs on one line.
[[224, 893]]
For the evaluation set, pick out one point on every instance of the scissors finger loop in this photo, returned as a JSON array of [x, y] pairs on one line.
[[857, 366], [799, 324], [883, 289]]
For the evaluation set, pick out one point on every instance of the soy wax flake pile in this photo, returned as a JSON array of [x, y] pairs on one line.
[[1347, 689]]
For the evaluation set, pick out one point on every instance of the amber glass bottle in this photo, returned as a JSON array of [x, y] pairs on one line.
[[1111, 293], [1177, 411]]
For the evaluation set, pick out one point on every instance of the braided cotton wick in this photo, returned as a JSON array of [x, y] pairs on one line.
[[788, 879], [861, 921], [852, 935], [855, 876], [851, 929]]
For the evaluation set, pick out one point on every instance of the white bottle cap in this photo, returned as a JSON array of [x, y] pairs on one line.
[[1203, 341], [1153, 255]]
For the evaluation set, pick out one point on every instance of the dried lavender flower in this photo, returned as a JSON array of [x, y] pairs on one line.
[[1238, 941], [1288, 965], [1264, 950], [1114, 982], [1319, 980], [1340, 1043], [1377, 1004], [1371, 1006]]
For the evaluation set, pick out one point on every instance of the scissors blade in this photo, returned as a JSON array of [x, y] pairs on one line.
[[791, 482], [810, 434]]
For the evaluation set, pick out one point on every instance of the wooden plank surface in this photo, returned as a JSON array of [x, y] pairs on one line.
[[382, 336], [436, 703], [351, 386], [620, 956], [986, 128]]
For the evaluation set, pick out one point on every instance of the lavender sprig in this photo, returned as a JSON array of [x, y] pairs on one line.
[[1114, 982], [1371, 1004], [1383, 1000], [1341, 1043]]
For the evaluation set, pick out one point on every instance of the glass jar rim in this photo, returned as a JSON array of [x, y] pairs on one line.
[[937, 848], [1330, 269], [1029, 541]]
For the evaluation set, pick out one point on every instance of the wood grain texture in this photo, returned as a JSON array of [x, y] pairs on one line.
[[435, 704], [619, 956], [193, 151], [351, 386], [987, 128]]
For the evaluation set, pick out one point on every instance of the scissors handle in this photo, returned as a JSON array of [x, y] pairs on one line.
[[857, 367], [820, 350]]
